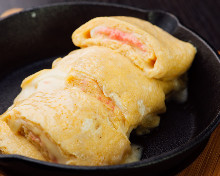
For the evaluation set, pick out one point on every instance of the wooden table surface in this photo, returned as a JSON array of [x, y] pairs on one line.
[[202, 16]]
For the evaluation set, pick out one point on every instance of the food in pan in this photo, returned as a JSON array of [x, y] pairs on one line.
[[83, 109], [157, 53]]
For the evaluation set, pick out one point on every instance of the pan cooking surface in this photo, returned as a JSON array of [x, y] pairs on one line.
[[31, 40]]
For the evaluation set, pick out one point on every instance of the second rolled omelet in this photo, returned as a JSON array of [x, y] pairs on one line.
[[157, 53]]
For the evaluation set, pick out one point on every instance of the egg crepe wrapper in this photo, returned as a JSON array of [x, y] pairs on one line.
[[156, 52]]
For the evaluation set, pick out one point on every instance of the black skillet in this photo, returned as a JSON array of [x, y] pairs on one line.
[[31, 40]]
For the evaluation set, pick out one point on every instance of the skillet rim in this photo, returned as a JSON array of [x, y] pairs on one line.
[[201, 137]]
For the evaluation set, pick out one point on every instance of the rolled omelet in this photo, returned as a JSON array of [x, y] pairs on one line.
[[70, 127], [11, 143], [156, 52], [110, 78], [81, 111]]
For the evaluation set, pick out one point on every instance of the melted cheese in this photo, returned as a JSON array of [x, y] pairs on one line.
[[45, 80], [135, 155]]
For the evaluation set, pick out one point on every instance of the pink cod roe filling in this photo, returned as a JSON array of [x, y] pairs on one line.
[[127, 38], [38, 141], [119, 35]]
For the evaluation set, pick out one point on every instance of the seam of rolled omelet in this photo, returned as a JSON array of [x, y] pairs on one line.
[[101, 87]]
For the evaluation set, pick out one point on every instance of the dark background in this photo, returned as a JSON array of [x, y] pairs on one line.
[[202, 16]]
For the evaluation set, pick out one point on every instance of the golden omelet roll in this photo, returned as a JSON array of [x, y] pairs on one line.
[[69, 126], [81, 111], [11, 143], [115, 81], [156, 52], [105, 82]]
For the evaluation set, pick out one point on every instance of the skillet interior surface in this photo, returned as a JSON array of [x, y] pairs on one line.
[[31, 40]]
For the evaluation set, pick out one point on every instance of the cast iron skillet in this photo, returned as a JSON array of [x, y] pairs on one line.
[[31, 40]]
